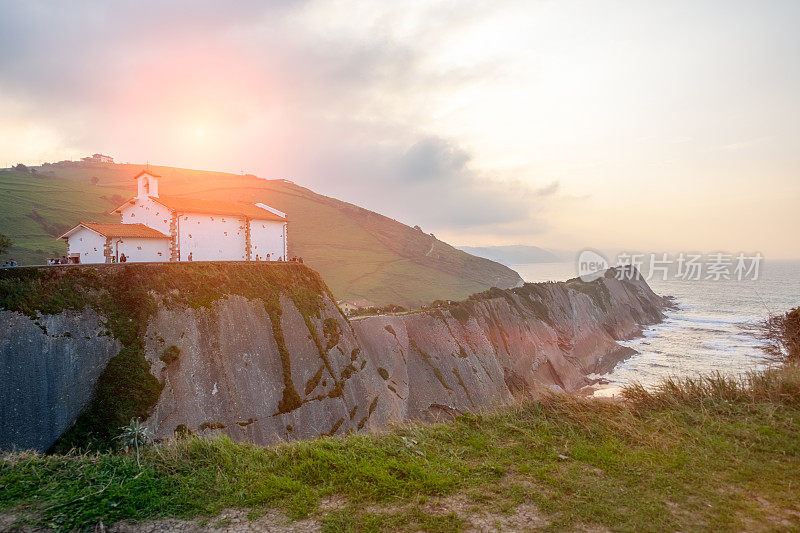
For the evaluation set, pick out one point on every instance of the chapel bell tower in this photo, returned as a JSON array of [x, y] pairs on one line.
[[147, 184]]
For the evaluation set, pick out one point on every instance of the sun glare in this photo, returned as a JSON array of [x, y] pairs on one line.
[[199, 132]]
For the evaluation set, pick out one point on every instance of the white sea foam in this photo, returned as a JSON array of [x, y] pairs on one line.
[[704, 334]]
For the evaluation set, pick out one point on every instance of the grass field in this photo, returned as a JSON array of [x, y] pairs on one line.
[[706, 454], [36, 209], [360, 254]]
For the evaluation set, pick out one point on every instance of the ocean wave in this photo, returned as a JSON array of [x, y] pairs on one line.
[[737, 320], [687, 345]]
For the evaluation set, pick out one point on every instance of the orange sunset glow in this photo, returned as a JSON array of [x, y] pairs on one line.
[[548, 127], [399, 266]]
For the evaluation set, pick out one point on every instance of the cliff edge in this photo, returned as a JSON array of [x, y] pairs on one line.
[[261, 352]]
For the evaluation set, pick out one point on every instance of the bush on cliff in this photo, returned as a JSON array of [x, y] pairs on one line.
[[127, 296], [170, 354], [781, 334], [378, 310]]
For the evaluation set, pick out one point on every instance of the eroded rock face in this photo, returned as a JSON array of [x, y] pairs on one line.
[[48, 369], [430, 364], [545, 335], [349, 376], [231, 376], [266, 372]]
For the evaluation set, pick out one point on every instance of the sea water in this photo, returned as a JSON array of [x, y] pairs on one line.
[[707, 333]]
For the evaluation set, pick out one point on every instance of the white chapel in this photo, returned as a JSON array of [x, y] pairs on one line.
[[167, 228]]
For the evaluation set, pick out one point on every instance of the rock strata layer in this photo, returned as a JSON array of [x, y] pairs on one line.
[[265, 373]]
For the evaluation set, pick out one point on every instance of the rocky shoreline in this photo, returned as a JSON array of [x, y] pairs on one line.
[[264, 374]]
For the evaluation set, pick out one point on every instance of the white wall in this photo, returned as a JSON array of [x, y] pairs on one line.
[[146, 211], [89, 244], [139, 249], [211, 237], [266, 237]]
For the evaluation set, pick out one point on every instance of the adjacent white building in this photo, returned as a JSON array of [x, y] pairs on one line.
[[166, 228]]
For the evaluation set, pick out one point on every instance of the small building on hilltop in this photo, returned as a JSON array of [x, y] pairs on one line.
[[349, 307], [98, 158], [167, 228]]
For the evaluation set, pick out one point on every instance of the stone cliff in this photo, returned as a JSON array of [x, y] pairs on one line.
[[261, 352], [505, 342], [48, 366]]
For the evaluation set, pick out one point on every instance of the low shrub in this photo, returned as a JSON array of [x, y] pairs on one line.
[[781, 336], [170, 354]]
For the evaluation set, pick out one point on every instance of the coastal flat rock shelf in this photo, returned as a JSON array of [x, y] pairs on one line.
[[261, 352]]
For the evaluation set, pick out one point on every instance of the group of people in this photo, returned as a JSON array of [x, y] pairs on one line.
[[123, 259], [270, 258], [10, 263]]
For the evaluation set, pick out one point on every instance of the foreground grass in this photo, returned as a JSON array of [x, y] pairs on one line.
[[708, 454]]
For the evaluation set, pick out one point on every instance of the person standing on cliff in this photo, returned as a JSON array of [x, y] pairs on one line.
[[190, 257]]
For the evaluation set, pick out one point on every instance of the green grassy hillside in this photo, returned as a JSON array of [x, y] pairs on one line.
[[360, 254], [37, 208]]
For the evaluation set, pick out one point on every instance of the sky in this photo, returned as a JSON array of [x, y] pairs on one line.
[[640, 125]]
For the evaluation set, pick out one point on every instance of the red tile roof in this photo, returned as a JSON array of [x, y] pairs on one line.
[[213, 207], [120, 230], [146, 172]]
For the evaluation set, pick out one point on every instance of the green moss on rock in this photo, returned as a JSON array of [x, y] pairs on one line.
[[427, 358], [127, 295], [460, 312], [170, 354], [211, 425], [335, 428], [372, 406], [332, 331], [312, 383], [596, 290], [182, 431]]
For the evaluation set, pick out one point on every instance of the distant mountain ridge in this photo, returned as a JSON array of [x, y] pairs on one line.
[[514, 254], [360, 254]]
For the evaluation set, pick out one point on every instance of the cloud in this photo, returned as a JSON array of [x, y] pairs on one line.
[[436, 174], [431, 182], [548, 190], [433, 159], [282, 89]]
